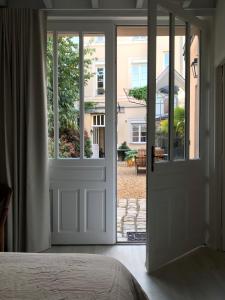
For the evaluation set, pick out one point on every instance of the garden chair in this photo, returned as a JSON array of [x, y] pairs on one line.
[[140, 161]]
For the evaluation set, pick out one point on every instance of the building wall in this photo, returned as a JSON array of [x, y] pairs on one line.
[[194, 100], [129, 52]]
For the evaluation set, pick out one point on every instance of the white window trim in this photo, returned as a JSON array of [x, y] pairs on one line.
[[99, 65], [139, 123], [95, 115], [136, 62]]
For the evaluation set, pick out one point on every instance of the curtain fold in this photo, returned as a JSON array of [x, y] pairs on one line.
[[23, 127]]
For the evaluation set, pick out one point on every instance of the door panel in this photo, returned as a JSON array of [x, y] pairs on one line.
[[68, 211], [177, 218]]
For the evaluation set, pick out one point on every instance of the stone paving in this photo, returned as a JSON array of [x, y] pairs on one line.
[[131, 204], [131, 216]]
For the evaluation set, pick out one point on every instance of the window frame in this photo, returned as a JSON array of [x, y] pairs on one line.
[[139, 64], [97, 81], [139, 124]]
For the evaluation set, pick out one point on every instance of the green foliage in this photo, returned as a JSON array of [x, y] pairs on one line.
[[69, 144], [139, 93], [87, 145], [131, 154], [88, 105], [68, 93], [124, 146], [179, 123], [122, 151]]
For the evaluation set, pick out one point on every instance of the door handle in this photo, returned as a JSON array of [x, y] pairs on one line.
[[152, 158]]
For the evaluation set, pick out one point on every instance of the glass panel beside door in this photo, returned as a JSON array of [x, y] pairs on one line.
[[94, 95]]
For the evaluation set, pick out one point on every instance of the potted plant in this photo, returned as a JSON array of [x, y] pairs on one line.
[[123, 148], [130, 157]]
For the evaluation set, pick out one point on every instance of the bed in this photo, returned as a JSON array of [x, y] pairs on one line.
[[66, 276]]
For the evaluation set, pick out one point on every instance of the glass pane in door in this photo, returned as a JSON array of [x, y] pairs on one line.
[[68, 95], [162, 89], [179, 89], [94, 95], [51, 131], [194, 93]]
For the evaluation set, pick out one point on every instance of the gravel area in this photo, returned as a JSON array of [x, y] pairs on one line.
[[131, 205], [129, 184]]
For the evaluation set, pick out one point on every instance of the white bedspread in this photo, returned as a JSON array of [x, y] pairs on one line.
[[29, 276]]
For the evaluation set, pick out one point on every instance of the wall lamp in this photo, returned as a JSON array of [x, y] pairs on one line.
[[194, 67]]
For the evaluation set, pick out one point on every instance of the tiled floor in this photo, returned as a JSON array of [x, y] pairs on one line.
[[131, 216]]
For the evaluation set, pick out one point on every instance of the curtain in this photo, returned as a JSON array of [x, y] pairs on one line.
[[23, 128]]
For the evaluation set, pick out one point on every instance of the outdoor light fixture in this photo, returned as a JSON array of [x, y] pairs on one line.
[[194, 67]]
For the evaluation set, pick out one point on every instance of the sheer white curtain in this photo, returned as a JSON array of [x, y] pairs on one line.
[[23, 127]]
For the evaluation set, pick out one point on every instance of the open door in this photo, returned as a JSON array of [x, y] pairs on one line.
[[175, 163]]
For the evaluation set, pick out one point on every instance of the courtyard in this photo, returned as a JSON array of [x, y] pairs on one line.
[[131, 204]]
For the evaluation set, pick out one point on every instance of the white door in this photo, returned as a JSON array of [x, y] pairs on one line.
[[82, 174], [176, 199]]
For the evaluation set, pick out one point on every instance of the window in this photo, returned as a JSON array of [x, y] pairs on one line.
[[139, 75], [98, 120], [166, 59], [100, 39], [98, 133], [138, 133], [140, 38], [100, 80], [159, 106]]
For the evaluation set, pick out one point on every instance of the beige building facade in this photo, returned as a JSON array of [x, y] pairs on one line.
[[131, 73]]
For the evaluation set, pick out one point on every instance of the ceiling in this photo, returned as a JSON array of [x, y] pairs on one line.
[[196, 3], [199, 7]]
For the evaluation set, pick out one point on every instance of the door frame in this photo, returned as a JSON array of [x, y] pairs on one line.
[[204, 94], [219, 155]]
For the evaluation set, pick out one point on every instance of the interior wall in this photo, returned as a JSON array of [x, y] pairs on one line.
[[218, 53], [219, 32]]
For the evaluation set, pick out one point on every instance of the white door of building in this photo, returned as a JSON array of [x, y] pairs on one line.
[[82, 175], [176, 184]]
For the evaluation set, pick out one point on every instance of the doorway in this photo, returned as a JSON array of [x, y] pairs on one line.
[[131, 133]]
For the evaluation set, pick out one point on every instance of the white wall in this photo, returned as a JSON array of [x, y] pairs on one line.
[[219, 32]]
